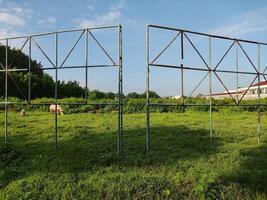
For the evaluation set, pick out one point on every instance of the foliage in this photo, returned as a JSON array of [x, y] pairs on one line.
[[70, 89], [96, 94], [135, 105], [152, 94], [133, 95], [42, 84]]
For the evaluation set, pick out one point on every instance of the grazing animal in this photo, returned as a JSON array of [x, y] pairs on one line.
[[52, 108], [23, 113]]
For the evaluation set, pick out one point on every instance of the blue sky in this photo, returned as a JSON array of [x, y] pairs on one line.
[[240, 18]]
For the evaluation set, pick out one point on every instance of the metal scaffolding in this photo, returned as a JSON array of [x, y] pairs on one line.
[[209, 69], [30, 40]]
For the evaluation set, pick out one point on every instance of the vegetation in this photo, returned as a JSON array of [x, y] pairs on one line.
[[134, 105], [180, 165], [135, 95], [42, 84]]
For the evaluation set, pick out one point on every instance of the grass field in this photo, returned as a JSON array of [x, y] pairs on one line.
[[181, 164]]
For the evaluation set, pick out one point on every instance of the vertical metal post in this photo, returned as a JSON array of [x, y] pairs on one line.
[[56, 82], [147, 92], [121, 81], [259, 91], [210, 91], [29, 72], [237, 66], [182, 65], [86, 64], [119, 137], [6, 74]]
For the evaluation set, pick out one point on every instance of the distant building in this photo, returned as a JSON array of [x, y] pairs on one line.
[[252, 92], [175, 97]]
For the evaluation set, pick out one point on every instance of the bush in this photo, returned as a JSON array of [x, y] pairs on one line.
[[132, 105]]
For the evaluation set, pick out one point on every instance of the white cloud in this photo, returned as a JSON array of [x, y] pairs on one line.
[[10, 19], [7, 32], [112, 16], [13, 15], [249, 22], [106, 19], [48, 21], [13, 18], [17, 44], [4, 32]]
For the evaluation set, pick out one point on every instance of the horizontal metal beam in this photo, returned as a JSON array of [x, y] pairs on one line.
[[205, 70], [188, 105], [175, 105], [15, 70], [93, 103], [206, 34], [60, 31], [116, 104], [63, 103], [86, 66], [71, 67]]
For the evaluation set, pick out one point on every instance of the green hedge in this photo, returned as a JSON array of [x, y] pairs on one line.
[[133, 105]]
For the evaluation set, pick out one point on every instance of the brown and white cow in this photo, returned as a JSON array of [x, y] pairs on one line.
[[52, 108]]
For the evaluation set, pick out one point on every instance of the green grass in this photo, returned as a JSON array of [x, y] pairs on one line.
[[180, 165]]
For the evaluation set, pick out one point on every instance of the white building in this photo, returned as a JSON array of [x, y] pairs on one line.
[[252, 92], [175, 97]]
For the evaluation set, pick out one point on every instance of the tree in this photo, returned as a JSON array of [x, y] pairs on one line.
[[152, 94], [42, 84], [70, 89], [18, 81], [96, 94], [110, 95], [134, 95]]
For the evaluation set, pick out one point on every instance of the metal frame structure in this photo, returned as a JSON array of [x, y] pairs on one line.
[[209, 72], [56, 66]]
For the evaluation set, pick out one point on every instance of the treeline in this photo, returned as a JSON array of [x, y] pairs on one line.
[[135, 95], [42, 84]]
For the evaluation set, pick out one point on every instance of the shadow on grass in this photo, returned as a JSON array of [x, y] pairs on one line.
[[87, 150], [250, 178]]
